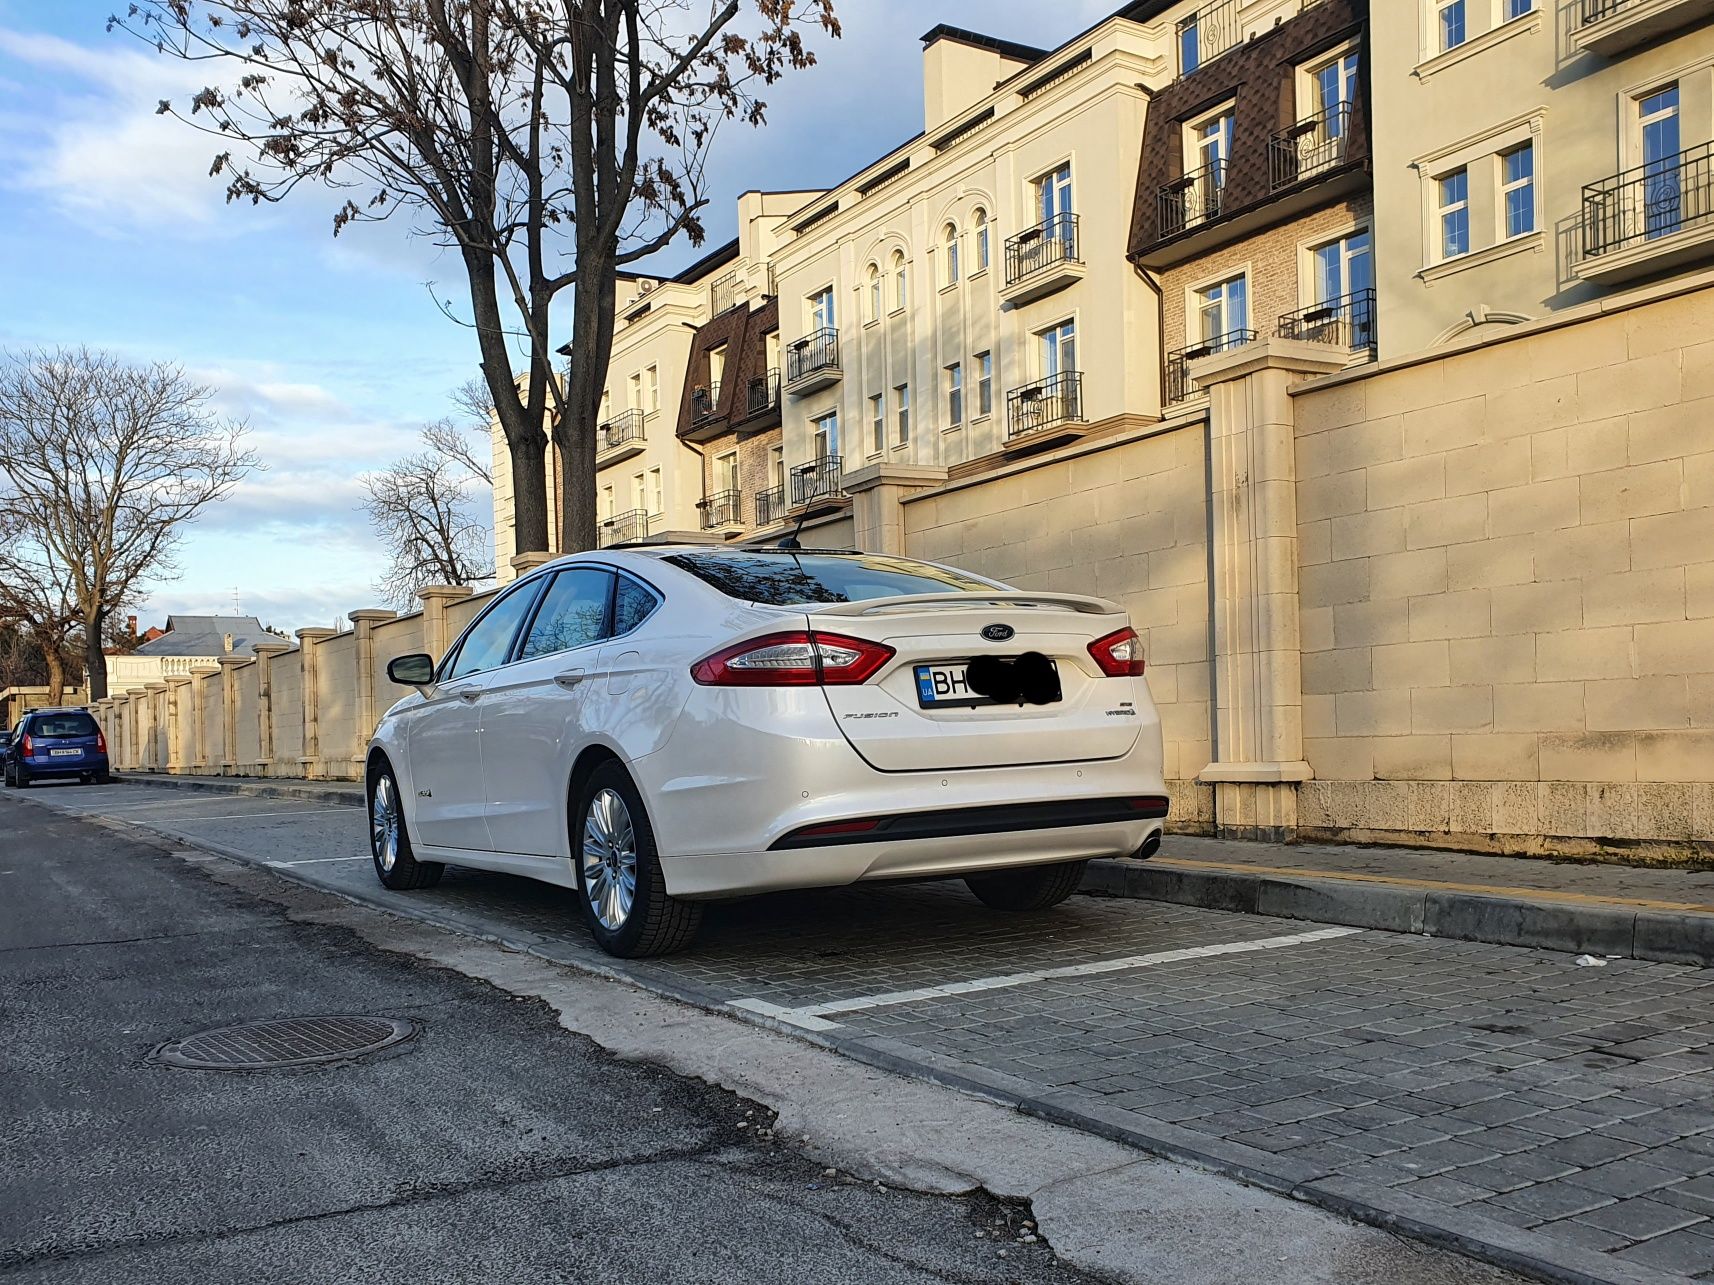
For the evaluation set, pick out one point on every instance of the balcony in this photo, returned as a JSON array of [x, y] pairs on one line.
[[622, 528], [1042, 407], [1347, 322], [771, 505], [705, 404], [1211, 31], [1192, 200], [722, 294], [812, 363], [1312, 145], [619, 438], [1650, 219], [722, 509], [1179, 386], [816, 481], [1612, 27], [1043, 259], [761, 397]]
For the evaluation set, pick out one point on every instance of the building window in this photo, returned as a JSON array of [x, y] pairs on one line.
[[1210, 143], [1189, 46], [1517, 190], [716, 371], [901, 295], [1333, 88], [657, 492], [826, 439], [636, 392], [984, 383], [821, 310], [1454, 214], [1343, 267], [1663, 161], [1449, 23], [639, 492], [874, 292], [1053, 194], [1222, 310], [954, 395], [980, 219], [949, 238], [1058, 348], [607, 504], [776, 466], [654, 388], [877, 424], [1518, 8], [902, 403], [726, 472]]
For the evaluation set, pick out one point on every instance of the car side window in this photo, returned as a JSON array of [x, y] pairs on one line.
[[489, 641], [573, 613], [632, 605]]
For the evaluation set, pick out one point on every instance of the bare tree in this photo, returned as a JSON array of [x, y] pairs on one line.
[[420, 509], [550, 142], [38, 609], [101, 466]]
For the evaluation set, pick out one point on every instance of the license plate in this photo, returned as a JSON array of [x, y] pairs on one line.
[[942, 685], [64, 754]]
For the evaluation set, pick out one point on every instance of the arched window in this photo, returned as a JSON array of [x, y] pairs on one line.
[[980, 219], [949, 238], [874, 292], [900, 295]]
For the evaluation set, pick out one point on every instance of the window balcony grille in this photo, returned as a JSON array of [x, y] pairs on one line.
[[722, 509], [771, 505], [764, 393], [817, 480], [705, 404], [813, 361], [1179, 386], [622, 528], [1046, 404], [1347, 322], [1649, 203], [1212, 30], [1044, 246], [1192, 200], [722, 294], [623, 429], [1313, 144]]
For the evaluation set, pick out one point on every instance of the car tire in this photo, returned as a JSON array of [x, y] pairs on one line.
[[396, 865], [6, 775], [20, 778], [104, 778], [612, 845], [1028, 888]]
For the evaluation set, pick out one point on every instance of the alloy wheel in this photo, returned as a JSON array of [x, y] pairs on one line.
[[384, 823], [609, 859]]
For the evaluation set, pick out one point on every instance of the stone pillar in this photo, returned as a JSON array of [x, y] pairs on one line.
[[876, 492], [366, 715], [308, 641], [155, 751], [199, 673], [176, 687], [229, 712], [265, 653], [524, 563], [436, 598], [1258, 680]]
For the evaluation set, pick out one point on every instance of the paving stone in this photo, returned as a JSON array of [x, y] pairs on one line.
[[1550, 1200], [1446, 1190], [1680, 1251], [1625, 1178], [1587, 1150], [1640, 1218]]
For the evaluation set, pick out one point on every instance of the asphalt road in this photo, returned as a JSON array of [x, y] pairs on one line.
[[494, 1146]]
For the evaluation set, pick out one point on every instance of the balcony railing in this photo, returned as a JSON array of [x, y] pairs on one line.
[[705, 404], [1209, 32], [722, 294], [1347, 322], [1649, 202], [723, 508], [816, 351], [816, 480], [771, 505], [1046, 404], [764, 393], [1178, 382], [1313, 144], [1595, 10], [1193, 199], [622, 527], [626, 426], [1042, 246]]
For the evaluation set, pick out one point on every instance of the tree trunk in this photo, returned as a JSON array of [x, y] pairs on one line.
[[56, 672], [529, 493], [94, 661]]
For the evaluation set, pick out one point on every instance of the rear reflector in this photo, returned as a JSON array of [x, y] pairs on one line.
[[1119, 654], [836, 828], [798, 659], [991, 818]]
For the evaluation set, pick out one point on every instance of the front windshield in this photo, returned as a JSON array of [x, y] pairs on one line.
[[786, 578]]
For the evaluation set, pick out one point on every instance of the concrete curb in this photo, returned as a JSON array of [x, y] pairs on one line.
[[346, 795], [1481, 1238], [1543, 923]]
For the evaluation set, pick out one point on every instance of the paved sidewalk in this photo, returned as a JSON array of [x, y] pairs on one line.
[[1513, 1103], [1626, 912]]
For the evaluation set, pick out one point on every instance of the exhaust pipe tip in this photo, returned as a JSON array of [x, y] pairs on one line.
[[1151, 845]]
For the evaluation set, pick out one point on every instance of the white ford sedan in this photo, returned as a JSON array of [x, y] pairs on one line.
[[656, 726]]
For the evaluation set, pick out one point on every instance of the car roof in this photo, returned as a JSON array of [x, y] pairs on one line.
[[58, 709]]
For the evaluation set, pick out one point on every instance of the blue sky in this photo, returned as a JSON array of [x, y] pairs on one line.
[[113, 235]]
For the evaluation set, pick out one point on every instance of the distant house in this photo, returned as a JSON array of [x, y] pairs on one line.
[[188, 640]]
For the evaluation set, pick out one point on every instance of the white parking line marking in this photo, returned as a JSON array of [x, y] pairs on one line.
[[242, 816], [315, 861], [813, 1017]]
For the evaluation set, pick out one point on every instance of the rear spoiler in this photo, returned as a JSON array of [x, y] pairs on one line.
[[972, 598]]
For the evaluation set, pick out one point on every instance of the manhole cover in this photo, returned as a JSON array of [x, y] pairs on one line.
[[288, 1041]]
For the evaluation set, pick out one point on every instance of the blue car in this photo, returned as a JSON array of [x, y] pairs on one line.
[[57, 744]]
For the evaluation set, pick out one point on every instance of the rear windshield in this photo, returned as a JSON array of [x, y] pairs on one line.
[[63, 725], [789, 579]]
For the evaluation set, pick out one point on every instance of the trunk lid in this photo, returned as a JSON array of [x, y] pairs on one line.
[[884, 719]]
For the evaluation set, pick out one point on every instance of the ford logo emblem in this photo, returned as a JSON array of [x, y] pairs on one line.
[[998, 633]]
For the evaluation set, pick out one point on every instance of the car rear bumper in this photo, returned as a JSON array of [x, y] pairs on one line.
[[48, 769]]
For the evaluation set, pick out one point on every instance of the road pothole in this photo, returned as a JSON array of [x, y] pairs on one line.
[[282, 1042]]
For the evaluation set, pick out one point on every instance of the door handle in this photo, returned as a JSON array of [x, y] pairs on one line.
[[470, 698], [571, 678]]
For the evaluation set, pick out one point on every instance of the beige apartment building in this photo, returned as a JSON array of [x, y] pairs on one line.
[[1539, 155]]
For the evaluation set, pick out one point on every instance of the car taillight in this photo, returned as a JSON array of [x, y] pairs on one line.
[[1119, 654], [793, 660], [100, 741], [29, 748]]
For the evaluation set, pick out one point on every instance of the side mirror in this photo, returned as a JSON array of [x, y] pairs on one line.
[[415, 670]]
